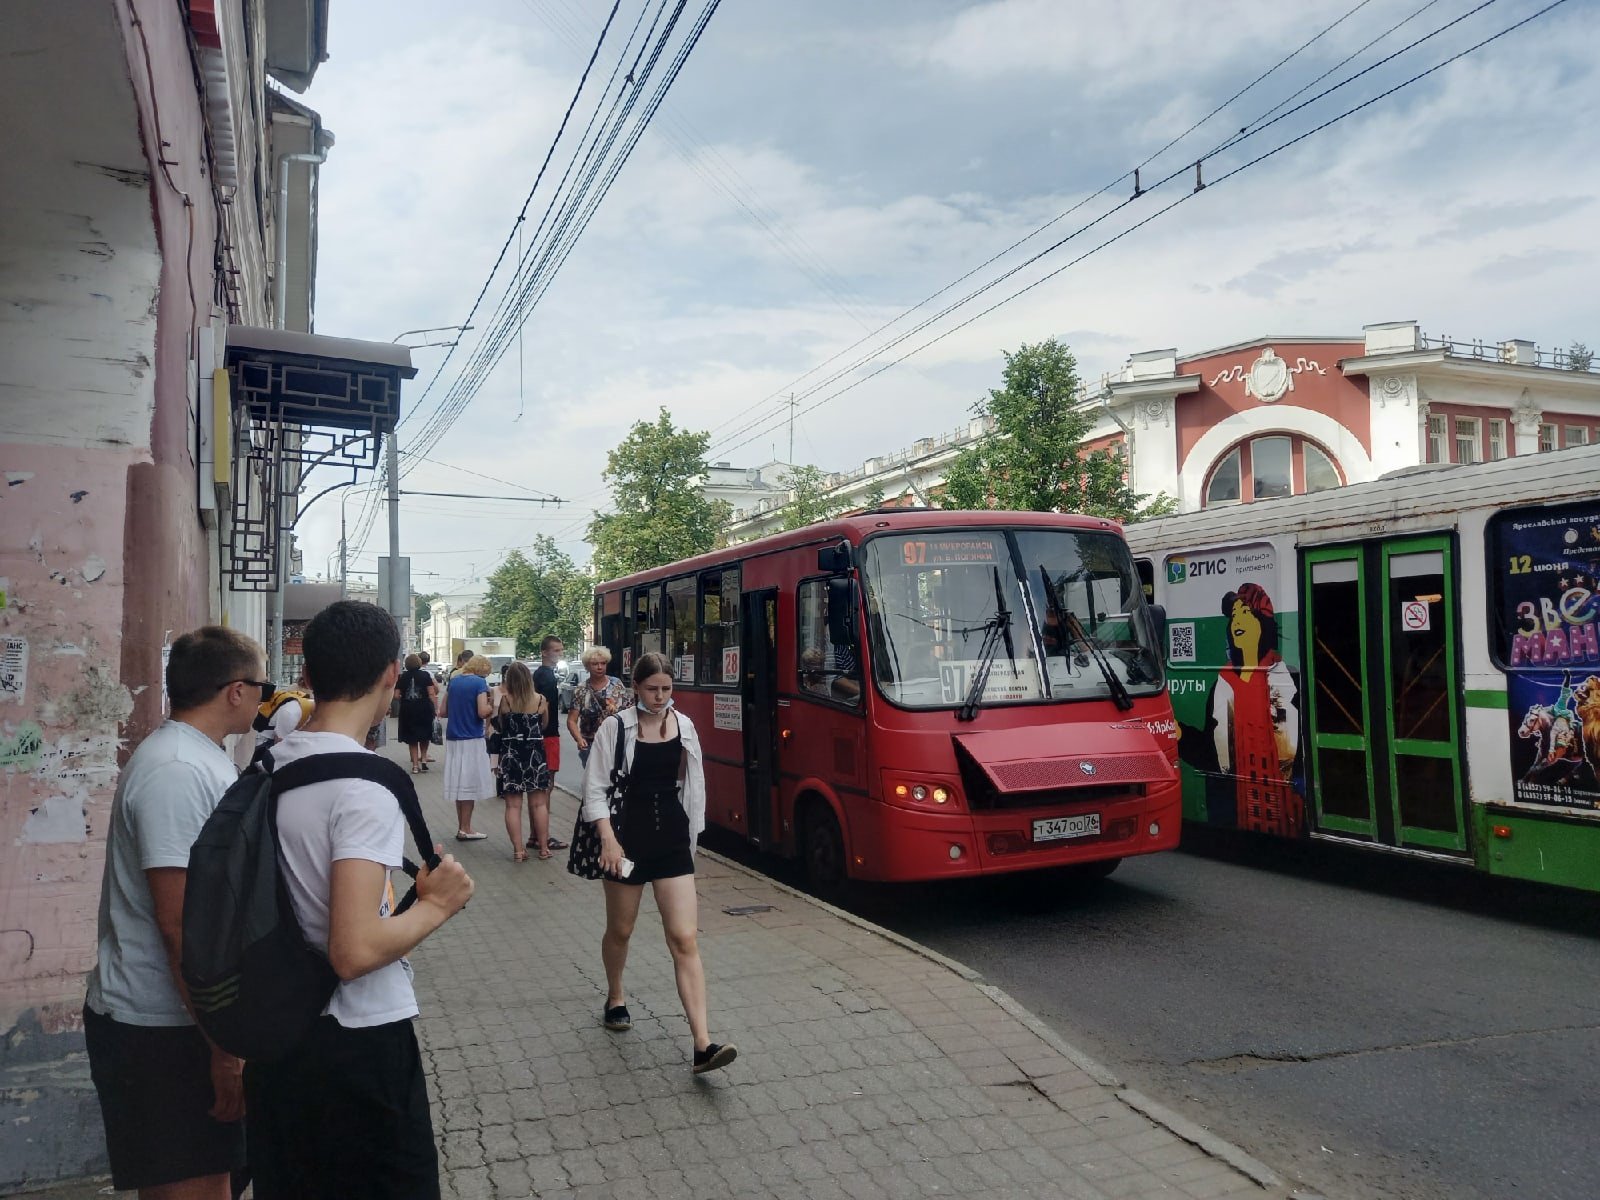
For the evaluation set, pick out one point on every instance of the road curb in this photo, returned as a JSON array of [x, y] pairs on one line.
[[1174, 1123]]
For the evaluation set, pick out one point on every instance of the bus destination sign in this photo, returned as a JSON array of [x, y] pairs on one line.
[[949, 551]]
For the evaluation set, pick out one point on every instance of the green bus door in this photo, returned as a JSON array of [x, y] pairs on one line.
[[1385, 686]]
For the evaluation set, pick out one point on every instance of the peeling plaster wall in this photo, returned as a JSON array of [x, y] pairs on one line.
[[105, 273]]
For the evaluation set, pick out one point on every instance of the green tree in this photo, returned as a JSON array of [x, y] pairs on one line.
[[808, 499], [1579, 357], [536, 593], [658, 513], [1034, 460], [875, 497]]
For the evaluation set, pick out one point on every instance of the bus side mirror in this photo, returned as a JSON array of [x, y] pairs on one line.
[[1158, 627], [834, 559], [841, 611]]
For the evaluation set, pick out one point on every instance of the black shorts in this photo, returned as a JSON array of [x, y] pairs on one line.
[[344, 1117], [155, 1096], [670, 865]]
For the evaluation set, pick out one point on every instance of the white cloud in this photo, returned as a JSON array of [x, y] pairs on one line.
[[1459, 202]]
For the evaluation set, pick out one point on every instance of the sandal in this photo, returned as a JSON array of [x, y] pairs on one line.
[[463, 836], [556, 843], [543, 854], [520, 856]]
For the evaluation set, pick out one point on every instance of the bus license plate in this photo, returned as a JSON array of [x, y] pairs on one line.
[[1056, 828]]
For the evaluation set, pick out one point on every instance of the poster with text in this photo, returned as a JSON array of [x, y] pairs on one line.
[[1233, 679], [1544, 569]]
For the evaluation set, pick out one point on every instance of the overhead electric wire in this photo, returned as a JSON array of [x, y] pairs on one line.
[[727, 443], [573, 217], [523, 213], [1061, 216], [582, 206], [1184, 198]]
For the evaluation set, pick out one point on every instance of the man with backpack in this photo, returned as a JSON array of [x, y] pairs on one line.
[[345, 1112], [172, 1102]]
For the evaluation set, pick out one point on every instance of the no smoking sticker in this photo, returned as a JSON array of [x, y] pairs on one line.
[[1415, 616]]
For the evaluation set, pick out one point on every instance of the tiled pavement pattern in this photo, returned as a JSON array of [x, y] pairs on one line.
[[865, 1070]]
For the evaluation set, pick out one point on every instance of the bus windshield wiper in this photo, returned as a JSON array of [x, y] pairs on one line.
[[996, 629], [1069, 622]]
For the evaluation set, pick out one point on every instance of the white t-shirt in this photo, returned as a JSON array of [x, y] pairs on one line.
[[164, 796], [317, 826]]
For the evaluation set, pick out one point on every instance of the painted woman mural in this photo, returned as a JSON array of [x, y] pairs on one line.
[[1251, 738]]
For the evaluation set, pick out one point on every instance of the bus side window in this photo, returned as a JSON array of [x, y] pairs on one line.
[[682, 628], [719, 626], [826, 668]]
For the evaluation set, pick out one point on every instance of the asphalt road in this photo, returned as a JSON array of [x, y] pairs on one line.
[[1369, 1026]]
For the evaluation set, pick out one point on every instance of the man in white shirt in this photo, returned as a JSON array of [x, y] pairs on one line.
[[345, 1114], [172, 1102]]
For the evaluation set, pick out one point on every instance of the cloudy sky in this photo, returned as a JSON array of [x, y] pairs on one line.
[[821, 167]]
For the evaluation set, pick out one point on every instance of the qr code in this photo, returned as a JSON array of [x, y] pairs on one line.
[[1180, 642]]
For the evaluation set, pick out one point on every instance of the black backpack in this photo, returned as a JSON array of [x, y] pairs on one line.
[[256, 985]]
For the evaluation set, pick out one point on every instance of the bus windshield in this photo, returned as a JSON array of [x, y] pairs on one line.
[[1048, 613]]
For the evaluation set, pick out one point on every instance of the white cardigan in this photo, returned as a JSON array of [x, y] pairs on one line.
[[602, 753]]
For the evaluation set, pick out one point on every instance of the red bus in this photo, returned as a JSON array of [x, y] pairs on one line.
[[914, 694]]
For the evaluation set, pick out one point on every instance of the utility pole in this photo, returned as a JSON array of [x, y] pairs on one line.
[[791, 429], [394, 602]]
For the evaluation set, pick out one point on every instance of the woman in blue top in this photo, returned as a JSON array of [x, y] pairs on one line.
[[466, 753]]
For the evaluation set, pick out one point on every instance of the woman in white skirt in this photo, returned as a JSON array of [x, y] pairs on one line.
[[466, 753]]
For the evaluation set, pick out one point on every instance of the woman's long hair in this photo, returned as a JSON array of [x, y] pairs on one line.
[[518, 682]]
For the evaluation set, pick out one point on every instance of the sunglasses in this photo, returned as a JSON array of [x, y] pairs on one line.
[[267, 689]]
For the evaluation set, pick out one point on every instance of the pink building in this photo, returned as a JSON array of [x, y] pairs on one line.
[[158, 199]]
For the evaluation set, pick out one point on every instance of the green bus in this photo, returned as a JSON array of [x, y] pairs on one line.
[[1409, 665]]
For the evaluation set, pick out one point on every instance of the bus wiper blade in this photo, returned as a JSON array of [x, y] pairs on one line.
[[1119, 694], [997, 625], [1069, 622]]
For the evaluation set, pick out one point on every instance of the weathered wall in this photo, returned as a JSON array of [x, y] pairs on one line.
[[103, 269]]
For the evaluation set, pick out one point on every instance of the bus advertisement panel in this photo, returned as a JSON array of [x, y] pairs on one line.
[[1234, 659], [1545, 572]]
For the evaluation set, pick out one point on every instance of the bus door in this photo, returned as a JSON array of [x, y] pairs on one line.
[[1383, 681], [759, 658]]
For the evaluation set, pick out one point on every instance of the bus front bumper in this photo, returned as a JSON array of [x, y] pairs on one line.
[[893, 843]]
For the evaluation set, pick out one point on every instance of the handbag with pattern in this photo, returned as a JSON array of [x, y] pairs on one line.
[[583, 859]]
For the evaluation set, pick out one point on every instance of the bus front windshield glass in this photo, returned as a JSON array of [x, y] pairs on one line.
[[1035, 614]]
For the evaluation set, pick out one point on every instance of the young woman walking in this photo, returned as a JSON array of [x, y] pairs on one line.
[[659, 811], [519, 718]]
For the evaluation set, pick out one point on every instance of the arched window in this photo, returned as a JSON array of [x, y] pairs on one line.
[[1270, 466]]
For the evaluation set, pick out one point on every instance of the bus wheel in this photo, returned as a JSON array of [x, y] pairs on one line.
[[823, 851]]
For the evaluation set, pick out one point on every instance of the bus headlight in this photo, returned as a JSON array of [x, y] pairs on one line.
[[917, 791]]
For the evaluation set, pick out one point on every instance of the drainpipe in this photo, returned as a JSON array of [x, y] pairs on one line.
[[1127, 430], [280, 309]]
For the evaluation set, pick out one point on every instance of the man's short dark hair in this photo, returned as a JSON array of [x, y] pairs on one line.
[[550, 639], [348, 647], [206, 661], [426, 658]]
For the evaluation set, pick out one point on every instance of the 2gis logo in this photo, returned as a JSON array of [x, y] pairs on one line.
[[1180, 570]]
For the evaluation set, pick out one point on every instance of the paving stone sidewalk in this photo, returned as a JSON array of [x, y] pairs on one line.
[[866, 1068]]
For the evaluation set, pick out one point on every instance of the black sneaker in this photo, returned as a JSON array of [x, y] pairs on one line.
[[714, 1057], [618, 1019]]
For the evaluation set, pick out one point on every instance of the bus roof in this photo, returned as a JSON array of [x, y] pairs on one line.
[[1409, 496], [858, 527]]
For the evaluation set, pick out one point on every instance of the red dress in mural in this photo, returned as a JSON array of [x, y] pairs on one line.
[[1256, 734]]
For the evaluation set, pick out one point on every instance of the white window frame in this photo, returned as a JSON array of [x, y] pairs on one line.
[[1582, 438], [1472, 441], [1549, 437], [1434, 445], [1497, 439]]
